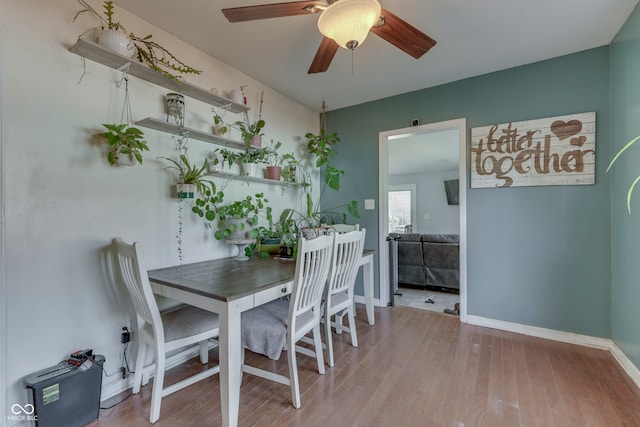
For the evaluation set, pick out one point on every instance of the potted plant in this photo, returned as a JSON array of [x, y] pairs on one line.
[[111, 35], [251, 132], [225, 156], [276, 162], [148, 51], [249, 159], [235, 220], [220, 128], [124, 141], [313, 221], [190, 177]]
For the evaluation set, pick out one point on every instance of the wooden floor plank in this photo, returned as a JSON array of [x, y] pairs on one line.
[[413, 368]]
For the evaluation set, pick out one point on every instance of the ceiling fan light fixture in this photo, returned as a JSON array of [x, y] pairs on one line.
[[348, 22]]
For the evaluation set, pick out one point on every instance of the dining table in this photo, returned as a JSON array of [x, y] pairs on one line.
[[228, 287]]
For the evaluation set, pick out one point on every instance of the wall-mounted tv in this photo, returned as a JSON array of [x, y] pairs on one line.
[[452, 188]]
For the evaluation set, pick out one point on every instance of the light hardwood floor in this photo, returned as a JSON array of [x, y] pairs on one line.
[[415, 368]]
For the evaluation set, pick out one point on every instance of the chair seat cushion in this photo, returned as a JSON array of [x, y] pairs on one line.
[[187, 321], [339, 299], [264, 328]]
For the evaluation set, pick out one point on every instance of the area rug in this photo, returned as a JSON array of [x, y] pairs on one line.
[[419, 298]]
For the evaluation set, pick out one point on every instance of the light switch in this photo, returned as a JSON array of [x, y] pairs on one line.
[[427, 216], [369, 204]]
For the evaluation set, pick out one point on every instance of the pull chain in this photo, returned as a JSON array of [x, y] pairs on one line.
[[352, 61]]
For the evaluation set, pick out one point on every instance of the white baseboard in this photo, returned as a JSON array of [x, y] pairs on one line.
[[568, 337], [360, 300], [116, 387]]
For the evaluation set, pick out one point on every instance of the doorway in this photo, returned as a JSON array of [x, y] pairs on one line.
[[456, 133]]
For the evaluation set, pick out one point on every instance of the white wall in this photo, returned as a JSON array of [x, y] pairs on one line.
[[431, 199], [64, 203]]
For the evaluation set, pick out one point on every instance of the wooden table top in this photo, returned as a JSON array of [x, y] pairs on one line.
[[226, 279]]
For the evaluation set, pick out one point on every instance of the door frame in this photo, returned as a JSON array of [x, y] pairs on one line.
[[3, 283], [383, 221]]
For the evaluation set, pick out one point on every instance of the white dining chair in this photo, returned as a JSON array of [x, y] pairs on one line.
[[287, 322], [338, 297], [344, 228], [164, 332]]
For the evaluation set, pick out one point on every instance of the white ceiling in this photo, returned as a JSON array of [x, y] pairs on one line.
[[423, 152], [473, 37]]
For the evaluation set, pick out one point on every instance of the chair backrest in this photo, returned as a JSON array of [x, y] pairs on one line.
[[344, 228], [312, 271], [130, 264], [347, 251]]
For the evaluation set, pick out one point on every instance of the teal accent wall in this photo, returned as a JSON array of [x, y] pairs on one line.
[[538, 256], [625, 227]]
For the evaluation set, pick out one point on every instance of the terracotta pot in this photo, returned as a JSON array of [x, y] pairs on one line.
[[256, 141], [274, 172]]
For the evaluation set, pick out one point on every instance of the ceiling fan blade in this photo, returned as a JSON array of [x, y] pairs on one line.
[[403, 35], [324, 56], [276, 10]]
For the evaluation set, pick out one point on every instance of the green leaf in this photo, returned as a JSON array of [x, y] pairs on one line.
[[629, 193], [352, 208], [629, 144], [112, 157]]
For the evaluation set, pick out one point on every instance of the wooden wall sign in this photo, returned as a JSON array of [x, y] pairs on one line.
[[554, 151]]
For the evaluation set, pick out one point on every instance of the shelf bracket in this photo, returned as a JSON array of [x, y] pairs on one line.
[[124, 69]]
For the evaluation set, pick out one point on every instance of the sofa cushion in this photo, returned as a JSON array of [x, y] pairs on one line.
[[441, 238], [428, 259], [416, 237]]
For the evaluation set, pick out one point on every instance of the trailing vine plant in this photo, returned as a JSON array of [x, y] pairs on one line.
[[148, 51]]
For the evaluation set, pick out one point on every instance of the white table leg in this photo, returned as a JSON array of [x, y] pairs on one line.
[[367, 276], [230, 346]]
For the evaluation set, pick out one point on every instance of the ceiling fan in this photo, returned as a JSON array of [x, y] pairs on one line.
[[343, 23]]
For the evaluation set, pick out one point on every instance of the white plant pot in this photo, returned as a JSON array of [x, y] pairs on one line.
[[126, 160], [117, 41], [211, 163], [218, 131], [185, 191], [249, 169], [239, 234]]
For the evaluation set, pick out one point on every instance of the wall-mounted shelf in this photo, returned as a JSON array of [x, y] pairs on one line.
[[107, 57], [226, 175], [173, 129]]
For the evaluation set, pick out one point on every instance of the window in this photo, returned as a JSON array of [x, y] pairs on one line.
[[402, 208]]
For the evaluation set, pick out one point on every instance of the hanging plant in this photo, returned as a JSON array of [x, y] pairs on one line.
[[124, 139]]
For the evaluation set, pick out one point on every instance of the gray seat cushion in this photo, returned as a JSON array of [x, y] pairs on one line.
[[186, 321], [264, 328]]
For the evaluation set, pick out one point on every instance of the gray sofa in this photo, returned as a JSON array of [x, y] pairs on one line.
[[429, 259]]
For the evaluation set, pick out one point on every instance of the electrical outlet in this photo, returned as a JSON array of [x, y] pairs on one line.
[[123, 372], [125, 336]]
